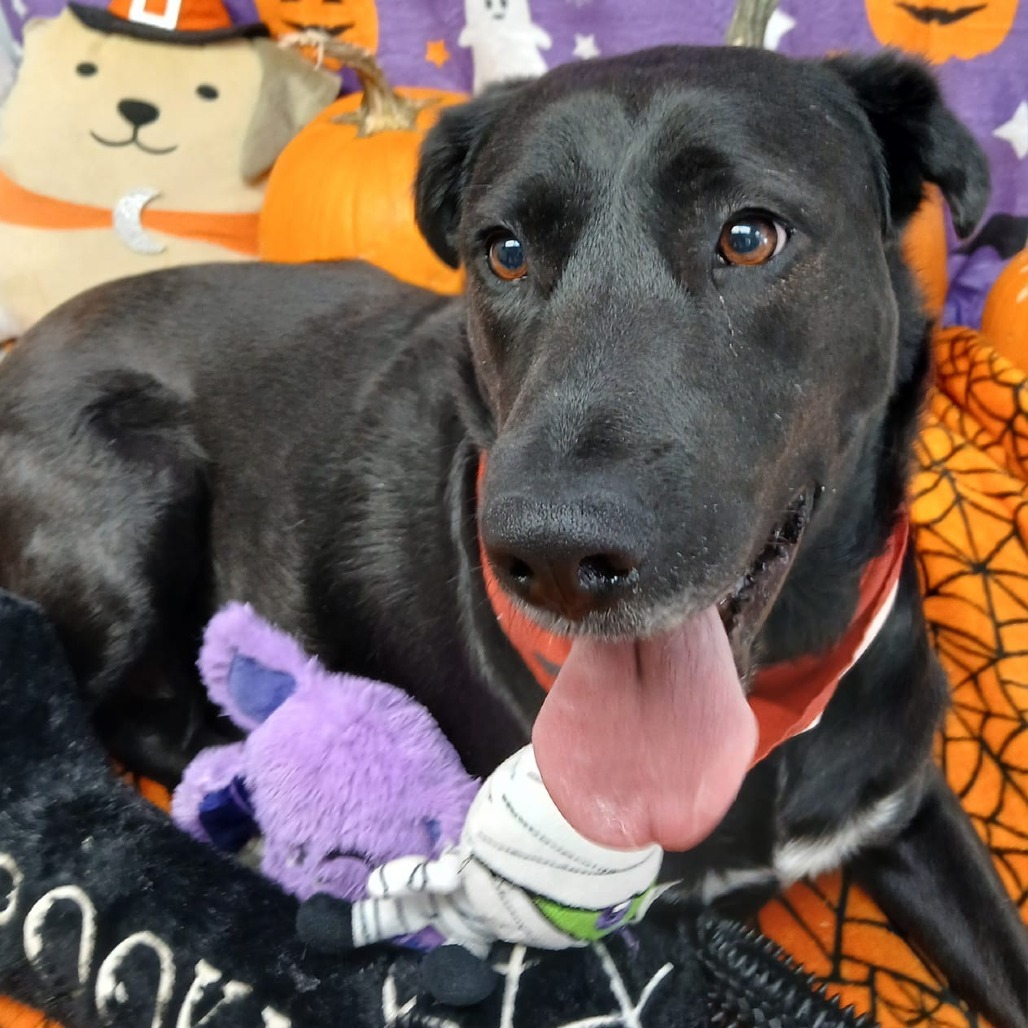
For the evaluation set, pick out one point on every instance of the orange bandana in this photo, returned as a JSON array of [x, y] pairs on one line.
[[20, 206]]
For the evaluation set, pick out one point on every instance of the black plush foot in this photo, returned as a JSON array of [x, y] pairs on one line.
[[456, 977], [325, 923]]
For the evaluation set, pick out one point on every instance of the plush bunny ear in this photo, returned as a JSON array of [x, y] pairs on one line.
[[249, 666]]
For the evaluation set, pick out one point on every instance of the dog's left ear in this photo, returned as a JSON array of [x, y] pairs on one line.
[[292, 92], [921, 138], [444, 168]]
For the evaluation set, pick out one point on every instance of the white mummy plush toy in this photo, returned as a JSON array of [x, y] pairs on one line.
[[520, 874]]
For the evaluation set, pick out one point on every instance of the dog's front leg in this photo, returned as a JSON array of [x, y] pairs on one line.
[[936, 882]]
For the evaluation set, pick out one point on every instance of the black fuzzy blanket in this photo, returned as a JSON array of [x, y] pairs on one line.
[[110, 916]]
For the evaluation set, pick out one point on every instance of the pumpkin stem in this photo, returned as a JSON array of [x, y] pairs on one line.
[[749, 22], [382, 109]]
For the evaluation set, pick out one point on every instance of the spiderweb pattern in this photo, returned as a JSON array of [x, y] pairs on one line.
[[969, 506]]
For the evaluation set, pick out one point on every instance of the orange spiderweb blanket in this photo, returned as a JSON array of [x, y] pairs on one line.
[[969, 504]]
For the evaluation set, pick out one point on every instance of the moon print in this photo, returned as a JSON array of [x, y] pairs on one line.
[[129, 227]]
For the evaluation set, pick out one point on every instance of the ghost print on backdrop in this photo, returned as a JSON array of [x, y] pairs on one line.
[[504, 41]]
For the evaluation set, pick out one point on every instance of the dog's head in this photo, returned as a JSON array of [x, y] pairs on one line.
[[687, 321], [94, 115]]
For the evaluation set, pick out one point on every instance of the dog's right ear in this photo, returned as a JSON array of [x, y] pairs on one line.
[[921, 139], [444, 168]]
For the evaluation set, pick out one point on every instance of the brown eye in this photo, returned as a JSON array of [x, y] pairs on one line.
[[751, 240], [507, 258]]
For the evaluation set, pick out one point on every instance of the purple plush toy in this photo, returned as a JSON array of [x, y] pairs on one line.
[[337, 775]]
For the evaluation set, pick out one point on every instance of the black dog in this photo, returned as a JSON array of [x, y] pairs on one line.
[[693, 358]]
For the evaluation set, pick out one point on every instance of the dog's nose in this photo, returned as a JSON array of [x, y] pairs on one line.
[[138, 112], [570, 565], [570, 586]]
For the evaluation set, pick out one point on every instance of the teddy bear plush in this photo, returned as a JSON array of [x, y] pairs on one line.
[[134, 140]]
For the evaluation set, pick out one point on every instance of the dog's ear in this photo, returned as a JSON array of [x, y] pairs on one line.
[[921, 139], [291, 93], [444, 168]]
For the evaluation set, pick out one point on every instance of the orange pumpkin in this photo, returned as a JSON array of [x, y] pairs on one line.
[[924, 248], [1005, 317], [343, 187], [352, 21], [941, 29]]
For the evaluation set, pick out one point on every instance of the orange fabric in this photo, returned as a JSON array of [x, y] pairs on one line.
[[786, 698], [14, 1015], [20, 206], [969, 510], [158, 795]]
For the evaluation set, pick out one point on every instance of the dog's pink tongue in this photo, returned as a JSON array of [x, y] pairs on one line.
[[643, 742]]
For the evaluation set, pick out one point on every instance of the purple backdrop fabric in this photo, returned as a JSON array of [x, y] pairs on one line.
[[420, 45]]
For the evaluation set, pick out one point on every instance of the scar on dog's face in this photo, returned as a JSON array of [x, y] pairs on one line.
[[94, 115]]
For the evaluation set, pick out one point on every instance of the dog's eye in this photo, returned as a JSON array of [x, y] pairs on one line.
[[750, 240], [207, 92], [86, 68], [507, 258]]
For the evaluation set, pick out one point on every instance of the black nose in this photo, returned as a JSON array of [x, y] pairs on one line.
[[569, 560], [138, 112]]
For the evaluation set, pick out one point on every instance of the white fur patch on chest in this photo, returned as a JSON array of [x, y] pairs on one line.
[[801, 857], [805, 857]]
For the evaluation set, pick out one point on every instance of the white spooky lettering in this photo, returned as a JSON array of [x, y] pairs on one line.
[[107, 983], [10, 865], [33, 929]]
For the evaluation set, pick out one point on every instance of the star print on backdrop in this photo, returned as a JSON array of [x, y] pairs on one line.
[[1015, 131], [778, 25], [585, 47], [436, 52]]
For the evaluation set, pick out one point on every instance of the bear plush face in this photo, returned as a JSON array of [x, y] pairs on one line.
[[94, 115]]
